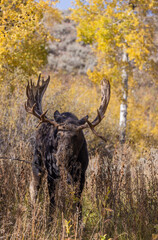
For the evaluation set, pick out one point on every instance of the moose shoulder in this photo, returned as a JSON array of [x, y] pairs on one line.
[[60, 141]]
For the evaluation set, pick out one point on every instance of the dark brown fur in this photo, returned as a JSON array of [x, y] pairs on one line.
[[54, 149], [60, 146]]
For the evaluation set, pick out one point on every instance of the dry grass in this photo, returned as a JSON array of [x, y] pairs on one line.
[[119, 198]]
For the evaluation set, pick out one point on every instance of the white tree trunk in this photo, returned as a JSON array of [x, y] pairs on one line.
[[123, 106]]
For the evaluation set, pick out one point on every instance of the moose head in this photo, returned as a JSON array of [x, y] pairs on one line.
[[60, 141]]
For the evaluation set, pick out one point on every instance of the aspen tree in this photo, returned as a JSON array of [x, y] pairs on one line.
[[117, 29]]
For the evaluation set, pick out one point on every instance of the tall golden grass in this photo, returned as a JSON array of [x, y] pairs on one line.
[[119, 200]]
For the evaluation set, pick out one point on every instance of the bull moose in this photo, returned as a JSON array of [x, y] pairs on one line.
[[60, 140]]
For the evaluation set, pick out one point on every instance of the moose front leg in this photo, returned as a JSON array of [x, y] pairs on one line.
[[37, 174]]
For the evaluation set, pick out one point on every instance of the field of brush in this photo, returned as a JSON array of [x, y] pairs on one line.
[[119, 200]]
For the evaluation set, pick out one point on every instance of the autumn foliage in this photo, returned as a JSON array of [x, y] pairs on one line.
[[24, 36], [120, 195], [116, 28]]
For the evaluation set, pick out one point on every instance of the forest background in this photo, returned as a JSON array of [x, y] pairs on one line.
[[77, 49]]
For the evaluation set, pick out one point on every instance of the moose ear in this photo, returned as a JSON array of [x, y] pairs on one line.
[[83, 120], [57, 115]]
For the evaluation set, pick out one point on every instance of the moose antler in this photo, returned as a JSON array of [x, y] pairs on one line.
[[105, 97], [35, 94], [34, 106]]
